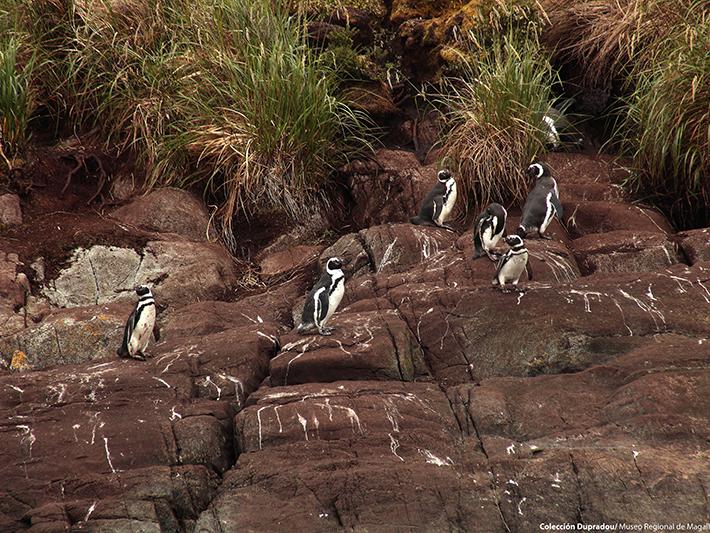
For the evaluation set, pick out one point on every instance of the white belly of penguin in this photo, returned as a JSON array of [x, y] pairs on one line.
[[142, 332], [448, 205], [334, 301], [549, 213], [490, 239], [513, 268]]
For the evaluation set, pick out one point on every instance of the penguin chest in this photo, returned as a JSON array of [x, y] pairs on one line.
[[334, 299], [549, 211], [448, 202], [489, 238], [142, 331], [513, 268]]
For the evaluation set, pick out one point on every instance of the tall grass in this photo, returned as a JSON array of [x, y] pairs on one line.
[[666, 122], [608, 38], [221, 94], [16, 71], [494, 116]]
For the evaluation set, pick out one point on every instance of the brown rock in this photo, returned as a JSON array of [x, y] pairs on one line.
[[168, 210], [584, 218], [375, 345], [10, 211], [556, 327], [610, 443], [389, 248], [696, 244], [284, 263], [136, 433], [624, 251], [372, 455], [388, 189]]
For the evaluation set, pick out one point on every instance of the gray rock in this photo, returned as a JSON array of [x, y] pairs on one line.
[[68, 336], [178, 271], [10, 212]]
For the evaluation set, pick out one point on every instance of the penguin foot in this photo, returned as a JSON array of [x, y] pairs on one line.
[[138, 356], [446, 227], [325, 331], [544, 236], [493, 256]]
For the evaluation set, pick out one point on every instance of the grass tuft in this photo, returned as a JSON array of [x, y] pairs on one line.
[[608, 38], [494, 115], [221, 95], [666, 123]]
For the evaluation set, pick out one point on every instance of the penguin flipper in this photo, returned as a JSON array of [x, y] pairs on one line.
[[529, 270], [156, 333]]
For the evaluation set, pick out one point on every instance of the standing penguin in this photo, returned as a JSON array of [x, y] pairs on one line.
[[437, 205], [139, 327], [543, 202], [323, 299], [512, 263], [488, 230]]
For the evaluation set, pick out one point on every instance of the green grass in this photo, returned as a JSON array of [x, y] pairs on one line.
[[220, 94], [666, 122], [16, 70], [493, 113]]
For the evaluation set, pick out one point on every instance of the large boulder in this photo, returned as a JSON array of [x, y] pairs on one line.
[[378, 456], [388, 188], [607, 445], [624, 251], [179, 272], [696, 244], [168, 210], [151, 435], [587, 217], [374, 345], [69, 336]]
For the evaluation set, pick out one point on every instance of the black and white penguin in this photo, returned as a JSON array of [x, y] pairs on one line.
[[437, 205], [542, 204], [140, 326], [560, 131], [488, 229], [512, 264], [323, 299]]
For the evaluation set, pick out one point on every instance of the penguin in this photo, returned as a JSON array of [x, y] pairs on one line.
[[437, 205], [139, 327], [512, 263], [323, 299], [559, 129], [488, 229], [542, 204]]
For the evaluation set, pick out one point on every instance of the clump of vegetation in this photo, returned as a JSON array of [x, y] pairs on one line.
[[494, 115], [223, 95], [16, 71], [666, 122], [608, 38]]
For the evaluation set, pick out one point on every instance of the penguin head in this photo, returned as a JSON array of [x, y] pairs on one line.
[[142, 290], [538, 170], [444, 175], [334, 264], [514, 241]]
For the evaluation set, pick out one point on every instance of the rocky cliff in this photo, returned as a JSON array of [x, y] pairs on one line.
[[439, 404]]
